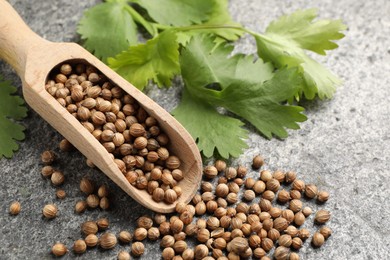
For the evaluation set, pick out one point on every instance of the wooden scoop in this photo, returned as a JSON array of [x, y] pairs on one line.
[[33, 58]]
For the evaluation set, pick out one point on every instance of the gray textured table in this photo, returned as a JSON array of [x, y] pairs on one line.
[[343, 147]]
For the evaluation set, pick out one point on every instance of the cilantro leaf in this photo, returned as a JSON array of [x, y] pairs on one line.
[[219, 17], [202, 63], [178, 12], [107, 29], [254, 95], [157, 59], [284, 44], [11, 108], [309, 35], [212, 131], [260, 104]]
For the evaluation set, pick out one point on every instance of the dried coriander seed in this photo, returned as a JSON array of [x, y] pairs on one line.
[[137, 248], [326, 232], [79, 246], [125, 237], [322, 216], [91, 240], [57, 178], [322, 196], [81, 206], [60, 194], [14, 209], [318, 239], [50, 211], [107, 241], [124, 255], [59, 249], [257, 162], [87, 186], [48, 157]]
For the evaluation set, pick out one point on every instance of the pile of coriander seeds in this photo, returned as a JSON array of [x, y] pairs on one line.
[[132, 137], [228, 226]]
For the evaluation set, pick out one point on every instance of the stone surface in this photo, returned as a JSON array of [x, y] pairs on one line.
[[343, 147]]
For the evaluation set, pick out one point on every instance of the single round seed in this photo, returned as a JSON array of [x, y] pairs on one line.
[[107, 241], [125, 237], [326, 232], [89, 227], [311, 191], [318, 239], [124, 255], [14, 209], [61, 194], [91, 240], [257, 162], [59, 249], [79, 246], [137, 248], [50, 211], [322, 216], [322, 196]]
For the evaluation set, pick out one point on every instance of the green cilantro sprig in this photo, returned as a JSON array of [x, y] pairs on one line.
[[11, 109], [190, 38]]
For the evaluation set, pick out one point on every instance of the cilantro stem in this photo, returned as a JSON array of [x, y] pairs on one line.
[[210, 27], [151, 28]]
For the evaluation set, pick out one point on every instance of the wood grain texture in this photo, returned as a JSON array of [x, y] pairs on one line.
[[33, 58]]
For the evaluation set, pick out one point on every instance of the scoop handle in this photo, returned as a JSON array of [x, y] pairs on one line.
[[16, 38]]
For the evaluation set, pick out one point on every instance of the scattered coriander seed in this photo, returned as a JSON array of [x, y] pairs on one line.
[[322, 216], [102, 223], [285, 240], [59, 249], [48, 157], [210, 172], [65, 145], [57, 178], [86, 186], [304, 234], [322, 196], [60, 194], [290, 176], [307, 211], [104, 203], [137, 248], [294, 256], [47, 171], [257, 162], [220, 165], [311, 191], [89, 227], [145, 222], [295, 205], [296, 243], [81, 206], [249, 195], [159, 218], [91, 240], [49, 211], [326, 232], [92, 201], [125, 237], [124, 255], [281, 253], [153, 233], [140, 234], [168, 253], [79, 246], [299, 218], [239, 245], [107, 241], [318, 239], [201, 251], [14, 209], [102, 191]]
